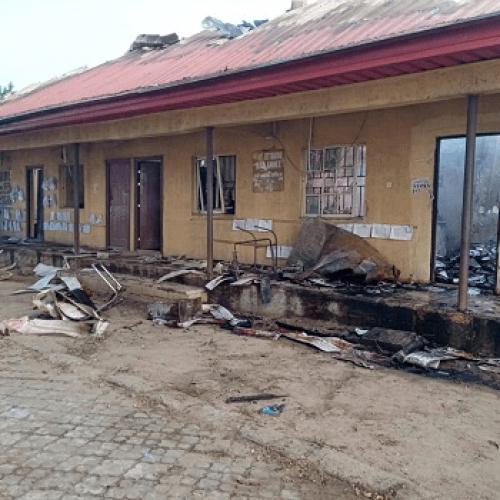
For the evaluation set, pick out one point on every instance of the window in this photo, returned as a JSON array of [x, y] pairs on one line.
[[336, 181], [223, 182], [66, 176], [5, 188]]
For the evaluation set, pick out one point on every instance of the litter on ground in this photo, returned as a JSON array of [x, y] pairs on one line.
[[63, 306]]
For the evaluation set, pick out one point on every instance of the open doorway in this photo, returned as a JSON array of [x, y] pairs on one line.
[[34, 203], [448, 211], [149, 204]]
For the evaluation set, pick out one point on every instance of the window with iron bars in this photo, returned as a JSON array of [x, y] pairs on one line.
[[335, 184], [224, 182], [5, 188]]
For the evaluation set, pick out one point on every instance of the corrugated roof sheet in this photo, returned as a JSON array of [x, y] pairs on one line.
[[325, 26]]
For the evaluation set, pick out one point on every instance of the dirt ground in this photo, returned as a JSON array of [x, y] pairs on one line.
[[442, 437]]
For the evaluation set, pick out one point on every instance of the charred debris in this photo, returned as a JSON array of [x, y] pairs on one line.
[[482, 267], [225, 30], [328, 256], [372, 348], [63, 306], [324, 256]]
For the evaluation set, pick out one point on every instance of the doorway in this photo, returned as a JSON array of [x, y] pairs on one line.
[[148, 174], [448, 212], [145, 198], [118, 173], [34, 203]]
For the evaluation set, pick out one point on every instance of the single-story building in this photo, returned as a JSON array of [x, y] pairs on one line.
[[335, 110]]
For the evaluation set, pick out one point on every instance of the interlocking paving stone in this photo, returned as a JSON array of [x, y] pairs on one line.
[[92, 444]]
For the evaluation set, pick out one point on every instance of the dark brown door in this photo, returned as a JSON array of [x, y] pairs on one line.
[[149, 204], [119, 203]]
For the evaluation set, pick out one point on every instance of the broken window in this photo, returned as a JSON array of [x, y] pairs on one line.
[[336, 181], [223, 184], [66, 184], [5, 188]]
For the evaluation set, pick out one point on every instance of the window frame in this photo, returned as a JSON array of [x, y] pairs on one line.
[[355, 212], [63, 182], [219, 190], [5, 200]]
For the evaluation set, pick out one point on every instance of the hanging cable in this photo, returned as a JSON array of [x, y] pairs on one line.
[[361, 129]]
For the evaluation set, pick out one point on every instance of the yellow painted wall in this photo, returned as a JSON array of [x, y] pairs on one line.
[[94, 196], [400, 140]]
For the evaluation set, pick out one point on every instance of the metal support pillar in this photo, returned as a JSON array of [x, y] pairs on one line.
[[470, 154], [76, 199], [210, 201]]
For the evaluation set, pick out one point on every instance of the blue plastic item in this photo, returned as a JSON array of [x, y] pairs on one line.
[[272, 410]]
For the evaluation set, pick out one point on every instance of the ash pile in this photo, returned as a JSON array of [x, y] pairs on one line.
[[482, 266]]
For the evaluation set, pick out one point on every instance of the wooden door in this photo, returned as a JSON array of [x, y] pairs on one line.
[[149, 204], [119, 203]]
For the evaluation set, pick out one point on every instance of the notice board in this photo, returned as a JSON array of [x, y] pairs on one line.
[[268, 171]]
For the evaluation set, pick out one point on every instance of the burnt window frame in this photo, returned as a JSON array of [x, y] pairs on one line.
[[358, 186], [221, 205], [66, 178]]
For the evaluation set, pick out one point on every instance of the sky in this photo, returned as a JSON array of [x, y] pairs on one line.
[[42, 39]]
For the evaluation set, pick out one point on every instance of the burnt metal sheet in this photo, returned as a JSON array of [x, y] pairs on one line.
[[323, 27]]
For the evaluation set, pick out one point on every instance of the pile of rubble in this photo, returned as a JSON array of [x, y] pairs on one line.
[[367, 348], [63, 306], [482, 267]]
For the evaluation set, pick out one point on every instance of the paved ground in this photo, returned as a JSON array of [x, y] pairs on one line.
[[114, 412], [89, 441]]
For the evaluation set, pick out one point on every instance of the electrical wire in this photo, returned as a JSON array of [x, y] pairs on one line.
[[361, 129], [311, 124], [287, 155]]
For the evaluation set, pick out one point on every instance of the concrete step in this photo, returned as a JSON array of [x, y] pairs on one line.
[[143, 288], [426, 314]]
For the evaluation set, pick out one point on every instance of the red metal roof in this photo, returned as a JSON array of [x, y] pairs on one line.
[[329, 34]]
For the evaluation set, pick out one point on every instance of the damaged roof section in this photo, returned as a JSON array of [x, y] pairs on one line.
[[325, 27], [228, 30], [154, 41]]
